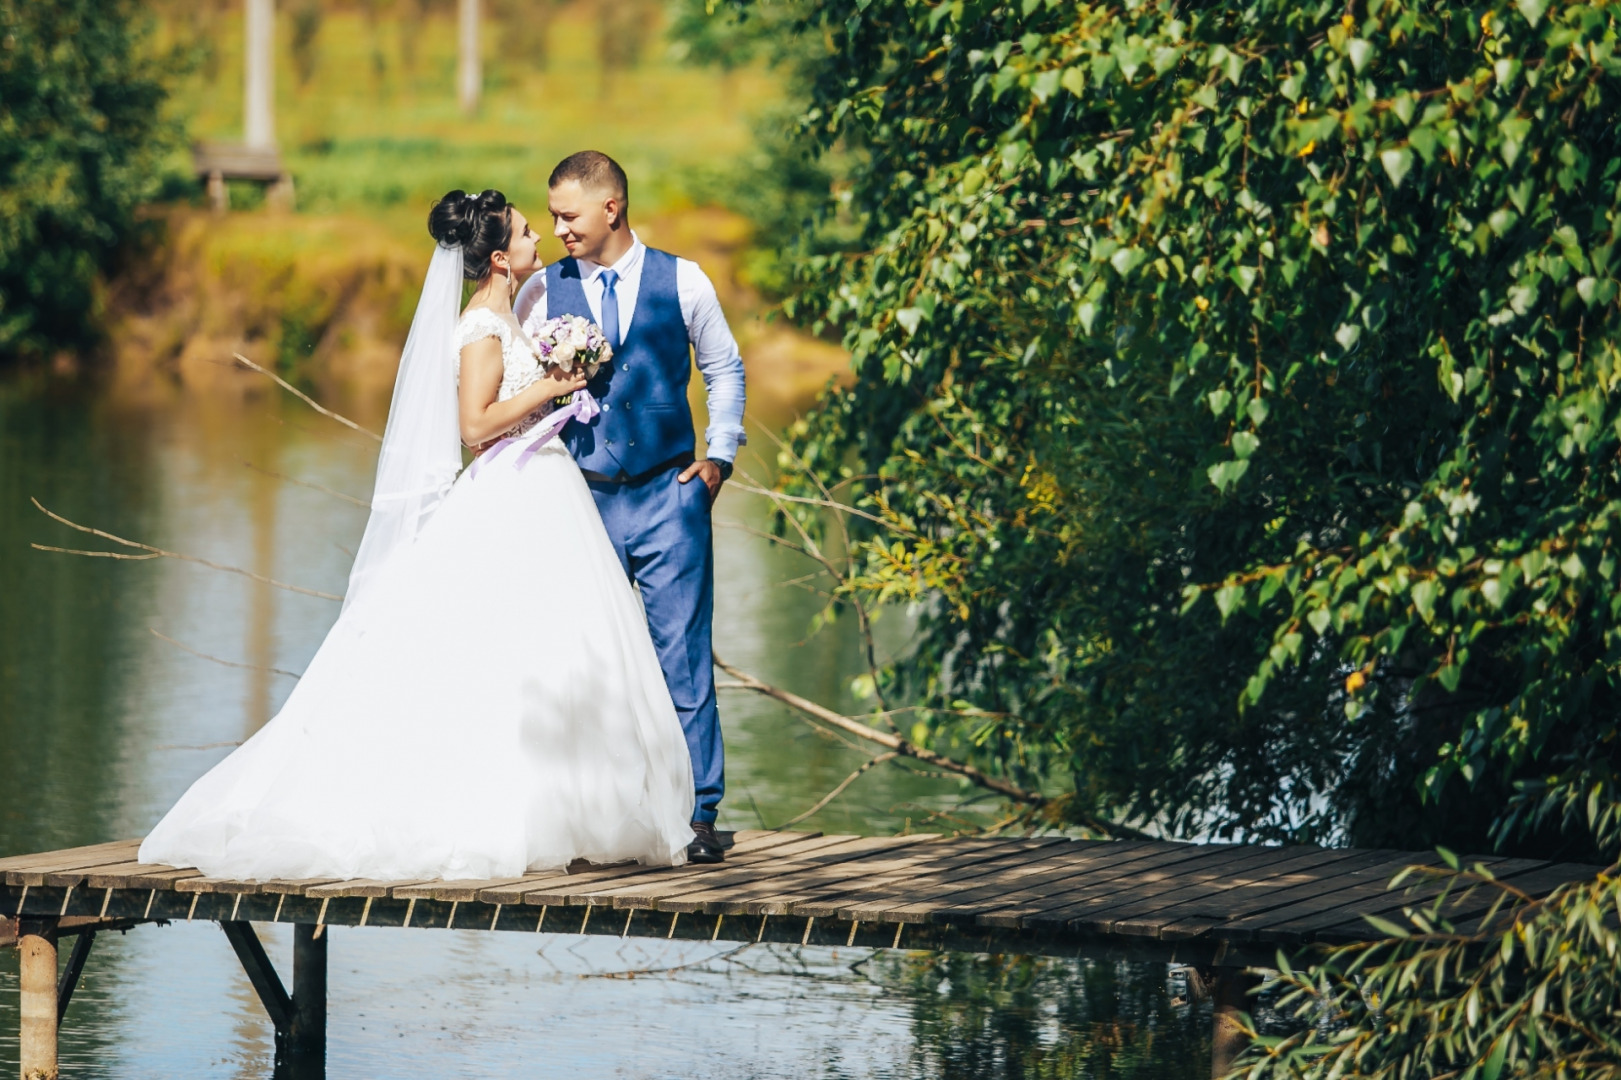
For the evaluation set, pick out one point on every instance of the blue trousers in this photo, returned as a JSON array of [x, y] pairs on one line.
[[661, 530]]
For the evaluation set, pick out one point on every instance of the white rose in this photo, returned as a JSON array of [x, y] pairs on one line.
[[563, 355], [577, 338]]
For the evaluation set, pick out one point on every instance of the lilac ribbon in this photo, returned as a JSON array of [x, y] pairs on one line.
[[583, 408]]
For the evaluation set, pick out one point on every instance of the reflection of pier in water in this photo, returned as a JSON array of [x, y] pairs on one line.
[[1222, 909]]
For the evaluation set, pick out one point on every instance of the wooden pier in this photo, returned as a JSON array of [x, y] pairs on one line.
[[1224, 910]]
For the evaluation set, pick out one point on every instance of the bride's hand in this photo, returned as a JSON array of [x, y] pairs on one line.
[[558, 382]]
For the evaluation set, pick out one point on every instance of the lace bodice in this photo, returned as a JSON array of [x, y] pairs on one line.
[[520, 368]]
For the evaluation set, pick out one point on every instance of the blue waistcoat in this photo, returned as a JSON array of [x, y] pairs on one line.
[[645, 420]]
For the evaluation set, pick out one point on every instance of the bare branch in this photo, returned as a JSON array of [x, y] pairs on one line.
[[93, 554], [157, 552], [199, 746], [219, 660], [322, 488], [305, 398], [904, 748], [825, 504], [836, 792], [746, 681]]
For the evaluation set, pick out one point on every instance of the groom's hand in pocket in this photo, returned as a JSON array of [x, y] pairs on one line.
[[709, 473]]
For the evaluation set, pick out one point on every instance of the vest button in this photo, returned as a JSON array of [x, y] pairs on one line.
[[633, 442]]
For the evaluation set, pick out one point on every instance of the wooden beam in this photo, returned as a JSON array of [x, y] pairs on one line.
[[1232, 989], [278, 1005], [36, 1046], [69, 980], [306, 1039]]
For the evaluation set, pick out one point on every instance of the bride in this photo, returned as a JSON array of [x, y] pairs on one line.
[[489, 701]]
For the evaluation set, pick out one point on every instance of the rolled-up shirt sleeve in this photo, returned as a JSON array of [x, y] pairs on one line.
[[720, 362]]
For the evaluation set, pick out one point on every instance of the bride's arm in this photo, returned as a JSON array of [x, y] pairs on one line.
[[482, 416]]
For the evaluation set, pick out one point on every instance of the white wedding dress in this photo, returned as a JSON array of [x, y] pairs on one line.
[[491, 704]]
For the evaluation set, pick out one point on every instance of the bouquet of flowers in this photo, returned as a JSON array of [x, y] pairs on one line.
[[570, 342]]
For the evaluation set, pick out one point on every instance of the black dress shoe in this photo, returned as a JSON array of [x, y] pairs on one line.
[[705, 846]]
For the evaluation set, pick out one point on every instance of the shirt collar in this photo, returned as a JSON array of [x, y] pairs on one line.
[[627, 264]]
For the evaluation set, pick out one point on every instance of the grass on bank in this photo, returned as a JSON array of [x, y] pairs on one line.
[[374, 132]]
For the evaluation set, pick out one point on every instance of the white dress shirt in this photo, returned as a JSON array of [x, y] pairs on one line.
[[719, 360]]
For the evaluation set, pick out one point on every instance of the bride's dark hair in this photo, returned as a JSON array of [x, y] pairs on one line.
[[479, 224]]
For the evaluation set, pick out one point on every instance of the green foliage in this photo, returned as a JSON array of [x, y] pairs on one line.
[[1535, 994], [1304, 308], [81, 136]]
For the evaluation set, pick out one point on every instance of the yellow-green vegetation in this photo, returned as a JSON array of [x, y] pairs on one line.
[[368, 123], [377, 125]]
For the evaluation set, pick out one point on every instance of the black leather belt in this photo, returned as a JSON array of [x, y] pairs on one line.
[[680, 461]]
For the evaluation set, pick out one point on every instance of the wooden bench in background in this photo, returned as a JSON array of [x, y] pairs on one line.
[[215, 163]]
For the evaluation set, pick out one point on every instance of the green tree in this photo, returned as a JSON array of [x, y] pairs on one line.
[[1531, 990], [81, 138], [1234, 390]]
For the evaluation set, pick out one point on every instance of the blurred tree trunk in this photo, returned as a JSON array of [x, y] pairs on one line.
[[469, 68], [259, 74]]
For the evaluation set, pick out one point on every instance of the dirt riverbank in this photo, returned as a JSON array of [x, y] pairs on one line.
[[328, 300]]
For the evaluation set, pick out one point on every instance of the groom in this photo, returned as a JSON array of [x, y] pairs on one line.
[[658, 312]]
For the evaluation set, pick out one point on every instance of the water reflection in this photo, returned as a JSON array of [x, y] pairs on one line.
[[103, 724]]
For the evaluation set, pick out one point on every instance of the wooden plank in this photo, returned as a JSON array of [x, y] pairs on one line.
[[1037, 884], [371, 888], [1140, 880], [139, 876], [867, 870], [676, 881], [1466, 906], [866, 900], [34, 872], [582, 882], [1370, 882], [216, 885], [1063, 870], [1196, 919], [93, 851], [453, 890], [80, 875], [1214, 904], [1370, 898], [291, 886], [1271, 867], [464, 891], [644, 891], [1108, 881]]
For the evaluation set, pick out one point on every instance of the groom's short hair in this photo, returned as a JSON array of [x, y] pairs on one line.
[[592, 169]]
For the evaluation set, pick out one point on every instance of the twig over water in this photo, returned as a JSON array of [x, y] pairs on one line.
[[157, 552], [836, 792], [322, 488], [182, 646], [305, 398]]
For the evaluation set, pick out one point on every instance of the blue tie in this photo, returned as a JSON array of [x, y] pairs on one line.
[[610, 309]]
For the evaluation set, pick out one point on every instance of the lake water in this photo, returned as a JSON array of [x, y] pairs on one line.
[[103, 723]]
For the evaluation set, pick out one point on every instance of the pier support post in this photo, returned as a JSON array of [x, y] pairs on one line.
[[36, 947], [1231, 990], [306, 1035]]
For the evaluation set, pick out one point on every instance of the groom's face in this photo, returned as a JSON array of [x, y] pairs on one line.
[[583, 218]]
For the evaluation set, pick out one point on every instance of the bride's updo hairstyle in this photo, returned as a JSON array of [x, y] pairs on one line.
[[480, 225]]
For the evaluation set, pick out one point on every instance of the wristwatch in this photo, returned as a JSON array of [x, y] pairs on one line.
[[725, 467]]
